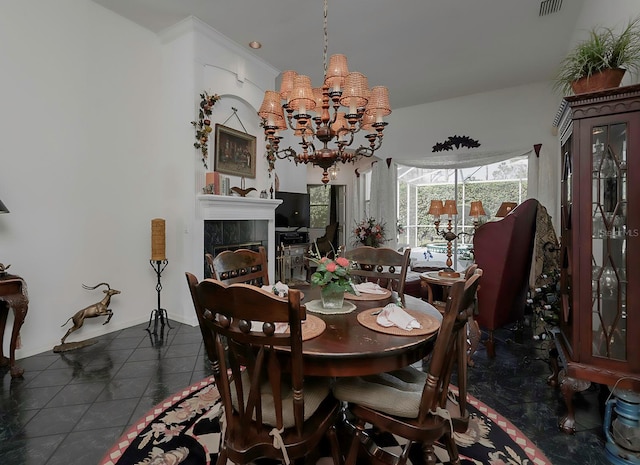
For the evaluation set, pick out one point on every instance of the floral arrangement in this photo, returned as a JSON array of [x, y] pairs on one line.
[[331, 272], [369, 232], [203, 125]]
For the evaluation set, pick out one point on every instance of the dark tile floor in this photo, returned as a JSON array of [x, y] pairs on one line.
[[71, 407]]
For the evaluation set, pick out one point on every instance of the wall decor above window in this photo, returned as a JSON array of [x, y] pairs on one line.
[[457, 142]]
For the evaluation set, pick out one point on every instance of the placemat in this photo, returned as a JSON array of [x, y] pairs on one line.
[[316, 306], [311, 327], [367, 296], [429, 323]]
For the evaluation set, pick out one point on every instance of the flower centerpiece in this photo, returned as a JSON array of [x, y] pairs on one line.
[[332, 275], [369, 232]]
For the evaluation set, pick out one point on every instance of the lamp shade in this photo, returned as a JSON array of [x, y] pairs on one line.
[[301, 97], [505, 209], [450, 208], [476, 209], [336, 71], [271, 110], [3, 209], [286, 86], [436, 207]]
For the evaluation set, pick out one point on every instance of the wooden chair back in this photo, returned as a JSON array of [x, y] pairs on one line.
[[240, 266], [451, 349], [262, 388], [383, 265], [438, 417]]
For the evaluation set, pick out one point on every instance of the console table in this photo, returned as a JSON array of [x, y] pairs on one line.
[[13, 295]]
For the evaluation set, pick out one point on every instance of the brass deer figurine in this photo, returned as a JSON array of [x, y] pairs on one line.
[[92, 311]]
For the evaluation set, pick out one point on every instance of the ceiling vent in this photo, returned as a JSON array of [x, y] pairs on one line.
[[549, 6]]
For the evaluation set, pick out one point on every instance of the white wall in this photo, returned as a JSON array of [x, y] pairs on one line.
[[81, 162], [97, 142]]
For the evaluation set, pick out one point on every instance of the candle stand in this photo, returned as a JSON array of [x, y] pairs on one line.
[[158, 313]]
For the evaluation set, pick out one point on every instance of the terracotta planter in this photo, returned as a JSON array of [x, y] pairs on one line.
[[606, 79]]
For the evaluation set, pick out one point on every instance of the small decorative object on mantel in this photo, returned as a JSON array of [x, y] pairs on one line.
[[241, 191], [98, 309], [457, 141], [212, 183], [203, 124]]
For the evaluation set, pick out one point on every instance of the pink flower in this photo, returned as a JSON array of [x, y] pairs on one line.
[[323, 259], [342, 261], [331, 267]]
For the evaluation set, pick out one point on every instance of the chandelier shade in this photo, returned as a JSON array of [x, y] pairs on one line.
[[326, 119]]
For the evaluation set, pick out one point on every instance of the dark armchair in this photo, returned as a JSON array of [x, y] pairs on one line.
[[504, 251], [326, 243]]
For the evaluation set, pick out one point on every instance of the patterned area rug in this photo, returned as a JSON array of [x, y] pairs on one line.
[[184, 429]]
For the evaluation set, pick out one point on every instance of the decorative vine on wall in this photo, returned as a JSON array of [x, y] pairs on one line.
[[203, 124]]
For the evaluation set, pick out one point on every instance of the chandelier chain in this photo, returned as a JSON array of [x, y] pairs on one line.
[[326, 39]]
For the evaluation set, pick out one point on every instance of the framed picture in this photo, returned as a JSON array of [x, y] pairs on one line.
[[235, 152]]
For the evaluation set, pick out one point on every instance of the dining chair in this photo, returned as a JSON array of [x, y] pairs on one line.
[[271, 410], [410, 403], [383, 265], [240, 266]]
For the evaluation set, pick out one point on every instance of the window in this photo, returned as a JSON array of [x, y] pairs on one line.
[[492, 184], [320, 199]]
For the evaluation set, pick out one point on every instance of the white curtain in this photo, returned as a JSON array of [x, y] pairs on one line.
[[384, 198], [465, 160]]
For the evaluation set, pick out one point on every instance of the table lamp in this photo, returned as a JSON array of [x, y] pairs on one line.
[[476, 211], [505, 209], [448, 208]]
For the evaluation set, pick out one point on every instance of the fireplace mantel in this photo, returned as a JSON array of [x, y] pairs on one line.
[[223, 207]]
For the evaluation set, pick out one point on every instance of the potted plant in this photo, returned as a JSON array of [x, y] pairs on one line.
[[600, 61]]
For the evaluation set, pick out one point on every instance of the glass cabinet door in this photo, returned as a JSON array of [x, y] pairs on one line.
[[566, 273], [609, 241]]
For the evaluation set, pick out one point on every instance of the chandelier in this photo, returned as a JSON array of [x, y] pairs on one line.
[[325, 137]]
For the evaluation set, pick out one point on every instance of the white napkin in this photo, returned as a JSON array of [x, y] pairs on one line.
[[392, 315], [279, 289], [370, 288]]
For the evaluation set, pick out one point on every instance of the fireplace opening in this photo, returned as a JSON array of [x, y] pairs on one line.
[[221, 235]]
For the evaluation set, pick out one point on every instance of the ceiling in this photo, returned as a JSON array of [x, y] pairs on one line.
[[422, 50]]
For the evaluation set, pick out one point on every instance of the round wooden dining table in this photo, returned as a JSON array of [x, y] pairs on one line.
[[347, 348]]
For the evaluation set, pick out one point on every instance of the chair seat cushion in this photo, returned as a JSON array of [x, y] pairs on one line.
[[315, 391], [396, 393]]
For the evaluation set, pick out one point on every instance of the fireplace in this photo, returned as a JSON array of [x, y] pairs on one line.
[[221, 235], [228, 222]]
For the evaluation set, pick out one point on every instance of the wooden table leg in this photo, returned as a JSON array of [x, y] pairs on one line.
[[19, 307]]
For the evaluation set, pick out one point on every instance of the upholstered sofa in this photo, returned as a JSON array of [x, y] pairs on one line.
[[504, 251]]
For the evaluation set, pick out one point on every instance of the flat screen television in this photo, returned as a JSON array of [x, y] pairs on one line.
[[294, 211]]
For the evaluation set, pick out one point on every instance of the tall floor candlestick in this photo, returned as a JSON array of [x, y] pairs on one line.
[[158, 313]]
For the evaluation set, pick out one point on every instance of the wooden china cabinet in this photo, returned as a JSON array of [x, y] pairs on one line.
[[598, 339]]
